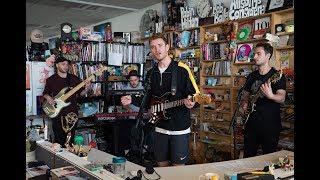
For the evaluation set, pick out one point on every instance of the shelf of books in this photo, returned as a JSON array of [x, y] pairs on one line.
[[284, 56], [216, 81], [120, 58], [227, 58]]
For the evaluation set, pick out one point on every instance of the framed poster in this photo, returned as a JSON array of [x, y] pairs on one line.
[[261, 27], [102, 29], [276, 5], [245, 30], [40, 71], [244, 53]]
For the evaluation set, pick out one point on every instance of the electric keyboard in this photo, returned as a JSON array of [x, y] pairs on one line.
[[118, 116]]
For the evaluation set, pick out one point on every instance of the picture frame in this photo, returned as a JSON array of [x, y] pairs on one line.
[[245, 30], [244, 53], [276, 5]]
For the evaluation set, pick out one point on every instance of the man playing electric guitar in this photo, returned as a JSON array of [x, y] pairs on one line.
[[264, 123], [171, 136], [54, 84]]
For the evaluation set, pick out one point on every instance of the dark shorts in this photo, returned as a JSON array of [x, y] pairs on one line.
[[173, 148]]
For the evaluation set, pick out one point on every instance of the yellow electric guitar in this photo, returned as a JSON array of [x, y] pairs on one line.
[[60, 99]]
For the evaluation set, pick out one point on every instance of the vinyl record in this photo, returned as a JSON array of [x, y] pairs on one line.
[[243, 34]]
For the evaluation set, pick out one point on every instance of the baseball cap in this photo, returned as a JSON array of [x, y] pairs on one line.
[[61, 59], [133, 73], [36, 36]]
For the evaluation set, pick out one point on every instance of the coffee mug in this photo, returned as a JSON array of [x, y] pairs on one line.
[[209, 176]]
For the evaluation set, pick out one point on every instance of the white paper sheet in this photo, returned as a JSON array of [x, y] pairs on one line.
[[115, 59]]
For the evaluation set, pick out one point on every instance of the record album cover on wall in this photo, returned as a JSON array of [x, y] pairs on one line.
[[276, 5]]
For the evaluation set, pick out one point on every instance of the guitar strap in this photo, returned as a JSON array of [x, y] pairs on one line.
[[174, 80], [68, 80], [265, 79], [191, 77]]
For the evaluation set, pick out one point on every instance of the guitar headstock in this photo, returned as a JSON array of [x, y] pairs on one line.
[[276, 76], [100, 70], [202, 98]]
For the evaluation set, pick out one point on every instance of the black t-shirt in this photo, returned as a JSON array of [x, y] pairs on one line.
[[267, 111], [53, 86]]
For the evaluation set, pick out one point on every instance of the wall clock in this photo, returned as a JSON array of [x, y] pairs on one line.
[[203, 8], [66, 29]]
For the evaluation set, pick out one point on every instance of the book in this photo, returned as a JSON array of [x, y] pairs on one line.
[[63, 172], [37, 171]]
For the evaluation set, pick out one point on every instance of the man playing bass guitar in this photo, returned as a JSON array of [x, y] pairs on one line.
[[54, 84]]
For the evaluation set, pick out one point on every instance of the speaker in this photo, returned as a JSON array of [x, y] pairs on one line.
[[118, 34], [66, 30]]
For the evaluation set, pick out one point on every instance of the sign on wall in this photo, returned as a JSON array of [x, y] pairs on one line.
[[245, 8], [40, 71], [261, 27], [29, 109], [220, 13]]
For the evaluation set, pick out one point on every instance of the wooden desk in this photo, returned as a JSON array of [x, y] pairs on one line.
[[192, 172], [188, 172], [54, 160]]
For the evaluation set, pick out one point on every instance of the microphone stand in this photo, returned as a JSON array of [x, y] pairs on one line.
[[137, 131], [233, 120]]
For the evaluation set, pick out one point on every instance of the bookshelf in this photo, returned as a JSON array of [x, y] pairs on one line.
[[222, 74], [87, 56], [233, 82], [216, 80], [284, 56]]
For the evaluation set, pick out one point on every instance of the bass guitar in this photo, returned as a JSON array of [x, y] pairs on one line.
[[60, 99], [159, 105]]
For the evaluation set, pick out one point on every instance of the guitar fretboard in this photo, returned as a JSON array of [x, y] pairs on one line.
[[166, 105], [75, 89]]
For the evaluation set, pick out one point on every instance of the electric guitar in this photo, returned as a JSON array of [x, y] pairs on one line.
[[60, 99], [253, 98], [159, 105]]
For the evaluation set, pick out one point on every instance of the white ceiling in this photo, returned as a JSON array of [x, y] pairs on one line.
[[47, 15]]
